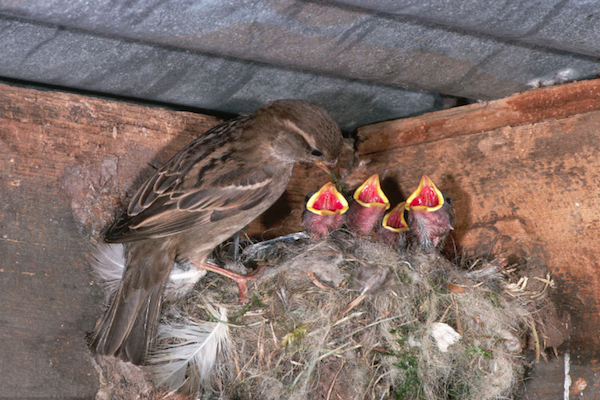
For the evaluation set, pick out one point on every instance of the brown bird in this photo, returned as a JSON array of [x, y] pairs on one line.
[[393, 227], [368, 207], [325, 212], [207, 192], [430, 214]]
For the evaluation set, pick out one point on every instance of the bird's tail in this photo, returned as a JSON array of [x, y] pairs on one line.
[[129, 325]]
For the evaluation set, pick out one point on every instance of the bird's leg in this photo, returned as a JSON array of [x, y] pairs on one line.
[[240, 279]]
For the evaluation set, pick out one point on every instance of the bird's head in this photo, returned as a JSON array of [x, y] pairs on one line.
[[305, 132], [324, 212], [431, 214], [368, 207], [370, 195], [327, 201], [427, 197], [394, 220]]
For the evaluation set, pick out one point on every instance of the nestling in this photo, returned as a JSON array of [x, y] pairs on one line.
[[368, 207], [207, 192], [325, 212], [430, 214], [393, 227]]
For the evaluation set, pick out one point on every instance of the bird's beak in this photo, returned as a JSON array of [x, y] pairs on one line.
[[370, 195], [325, 166], [394, 220], [427, 197], [327, 201]]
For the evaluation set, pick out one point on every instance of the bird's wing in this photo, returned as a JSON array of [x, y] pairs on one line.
[[201, 184], [177, 209]]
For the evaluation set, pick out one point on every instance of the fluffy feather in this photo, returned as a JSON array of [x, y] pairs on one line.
[[268, 247], [188, 351], [108, 264]]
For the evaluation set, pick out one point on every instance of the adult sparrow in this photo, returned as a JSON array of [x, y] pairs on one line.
[[207, 192], [430, 214], [393, 227], [325, 212], [368, 207]]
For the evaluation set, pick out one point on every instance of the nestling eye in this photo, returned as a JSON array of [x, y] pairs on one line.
[[316, 153]]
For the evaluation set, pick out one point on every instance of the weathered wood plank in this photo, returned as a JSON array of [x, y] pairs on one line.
[[532, 187], [66, 161], [538, 105], [547, 379]]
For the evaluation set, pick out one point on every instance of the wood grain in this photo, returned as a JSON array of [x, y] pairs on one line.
[[531, 107], [67, 163]]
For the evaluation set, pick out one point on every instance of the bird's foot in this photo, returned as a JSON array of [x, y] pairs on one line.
[[240, 279]]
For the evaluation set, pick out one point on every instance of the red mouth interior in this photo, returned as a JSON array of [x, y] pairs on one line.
[[328, 201], [369, 194], [395, 221], [427, 197]]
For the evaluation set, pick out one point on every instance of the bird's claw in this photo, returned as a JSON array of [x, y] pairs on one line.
[[241, 280]]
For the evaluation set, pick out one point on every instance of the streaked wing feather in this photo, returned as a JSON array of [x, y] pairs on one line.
[[170, 176], [171, 212]]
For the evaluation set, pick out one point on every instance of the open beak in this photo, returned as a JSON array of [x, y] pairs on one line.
[[427, 197], [394, 219], [327, 201], [370, 195]]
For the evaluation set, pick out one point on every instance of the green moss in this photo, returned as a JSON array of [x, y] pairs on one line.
[[493, 298], [473, 351], [410, 386], [253, 304], [294, 337], [458, 391]]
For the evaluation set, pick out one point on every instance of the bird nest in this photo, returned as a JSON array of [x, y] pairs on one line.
[[349, 318]]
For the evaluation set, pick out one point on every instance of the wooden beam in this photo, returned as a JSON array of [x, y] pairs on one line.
[[67, 162], [524, 174], [531, 107]]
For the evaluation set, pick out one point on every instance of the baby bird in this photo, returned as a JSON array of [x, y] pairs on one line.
[[430, 214], [367, 208], [393, 227], [325, 212]]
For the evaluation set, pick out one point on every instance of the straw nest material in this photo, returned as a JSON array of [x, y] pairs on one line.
[[348, 318]]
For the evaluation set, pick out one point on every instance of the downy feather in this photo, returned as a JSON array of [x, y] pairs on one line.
[[108, 264], [188, 351]]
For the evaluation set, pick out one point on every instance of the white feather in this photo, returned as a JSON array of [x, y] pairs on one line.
[[444, 335], [108, 263], [188, 350], [182, 279]]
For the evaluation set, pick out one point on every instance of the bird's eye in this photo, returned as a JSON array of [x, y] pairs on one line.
[[448, 199], [315, 152]]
